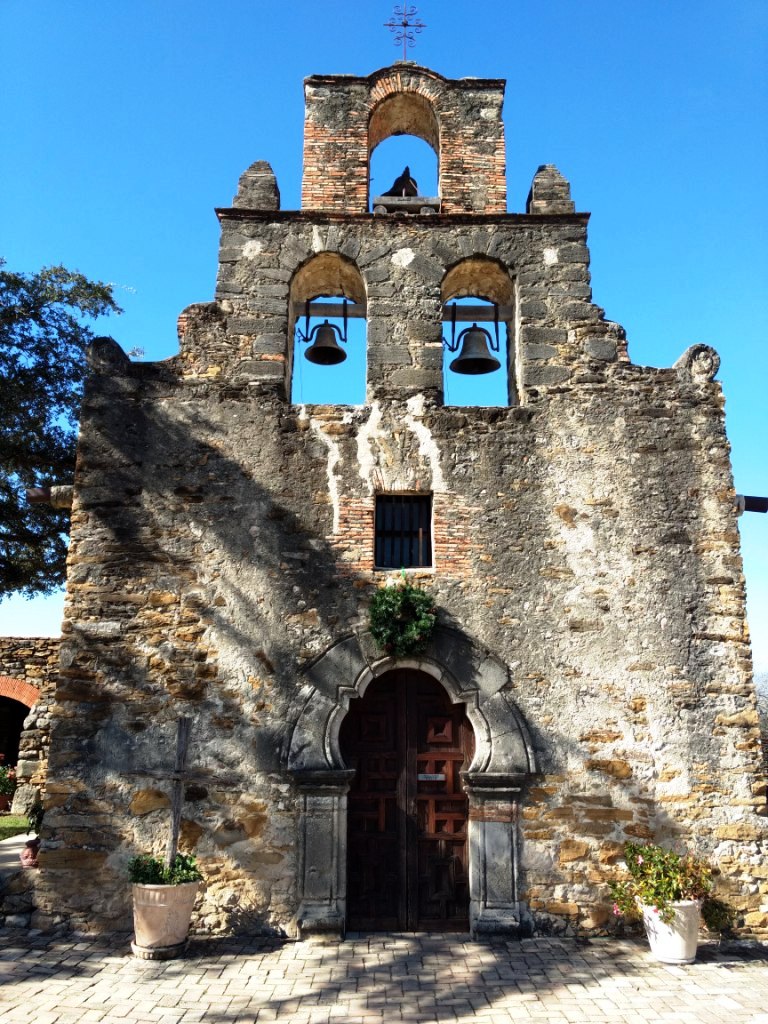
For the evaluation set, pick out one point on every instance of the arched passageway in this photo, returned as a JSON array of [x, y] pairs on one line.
[[16, 698]]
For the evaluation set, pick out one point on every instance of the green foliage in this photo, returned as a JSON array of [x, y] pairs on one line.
[[7, 781], [148, 870], [402, 619], [762, 713], [35, 818], [717, 914], [42, 367], [658, 878]]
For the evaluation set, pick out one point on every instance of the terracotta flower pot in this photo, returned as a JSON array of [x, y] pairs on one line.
[[161, 917], [676, 942]]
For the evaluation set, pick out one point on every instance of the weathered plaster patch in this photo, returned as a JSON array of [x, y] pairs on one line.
[[103, 628], [366, 435], [427, 444], [403, 257], [550, 257], [252, 248], [334, 458]]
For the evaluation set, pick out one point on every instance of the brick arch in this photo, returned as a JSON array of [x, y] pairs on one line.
[[327, 273], [480, 276], [17, 689], [404, 113], [407, 105], [395, 77]]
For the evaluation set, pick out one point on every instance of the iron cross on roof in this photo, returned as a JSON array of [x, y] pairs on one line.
[[405, 25]]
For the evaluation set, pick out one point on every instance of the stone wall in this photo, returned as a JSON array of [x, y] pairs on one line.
[[586, 569], [594, 550]]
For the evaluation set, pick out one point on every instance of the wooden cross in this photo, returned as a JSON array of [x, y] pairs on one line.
[[405, 29], [178, 776]]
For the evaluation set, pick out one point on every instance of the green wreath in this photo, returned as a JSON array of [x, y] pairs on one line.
[[402, 619]]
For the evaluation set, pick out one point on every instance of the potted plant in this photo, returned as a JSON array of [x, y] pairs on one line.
[[402, 618], [163, 898], [668, 891]]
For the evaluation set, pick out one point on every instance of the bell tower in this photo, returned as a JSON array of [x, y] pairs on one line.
[[346, 117], [409, 266]]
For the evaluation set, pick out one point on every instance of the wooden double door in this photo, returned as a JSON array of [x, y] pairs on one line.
[[407, 813]]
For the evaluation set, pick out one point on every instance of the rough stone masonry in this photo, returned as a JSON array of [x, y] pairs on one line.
[[585, 558]]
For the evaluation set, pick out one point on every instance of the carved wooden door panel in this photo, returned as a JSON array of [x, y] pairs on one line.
[[407, 813]]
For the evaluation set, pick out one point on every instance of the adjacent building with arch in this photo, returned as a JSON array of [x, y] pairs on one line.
[[589, 681], [28, 668]]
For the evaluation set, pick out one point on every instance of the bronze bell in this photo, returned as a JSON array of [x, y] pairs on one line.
[[474, 356], [325, 350]]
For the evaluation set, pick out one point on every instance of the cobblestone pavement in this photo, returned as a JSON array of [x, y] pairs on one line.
[[377, 978]]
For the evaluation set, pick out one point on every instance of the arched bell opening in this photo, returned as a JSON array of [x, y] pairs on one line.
[[407, 160], [404, 155], [327, 322], [478, 334]]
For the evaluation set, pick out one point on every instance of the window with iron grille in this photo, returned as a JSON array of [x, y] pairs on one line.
[[403, 531]]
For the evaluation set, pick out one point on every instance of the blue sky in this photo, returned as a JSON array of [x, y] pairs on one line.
[[124, 125]]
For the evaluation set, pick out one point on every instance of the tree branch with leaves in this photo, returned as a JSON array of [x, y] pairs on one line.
[[43, 338]]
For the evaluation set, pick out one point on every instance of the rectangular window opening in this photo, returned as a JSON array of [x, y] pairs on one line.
[[403, 531]]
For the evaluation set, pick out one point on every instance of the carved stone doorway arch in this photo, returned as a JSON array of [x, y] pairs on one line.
[[503, 760]]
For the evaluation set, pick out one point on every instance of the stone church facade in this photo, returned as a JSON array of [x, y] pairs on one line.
[[589, 680]]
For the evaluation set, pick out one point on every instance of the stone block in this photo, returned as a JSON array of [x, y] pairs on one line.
[[536, 376], [17, 920], [148, 800], [572, 850], [393, 355], [411, 380], [533, 351], [614, 767], [595, 348], [26, 796], [544, 335], [741, 831]]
